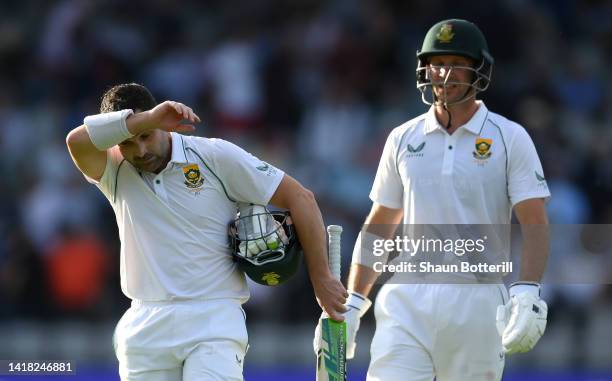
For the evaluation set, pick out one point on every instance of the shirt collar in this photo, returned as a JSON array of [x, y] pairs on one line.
[[474, 125], [178, 149]]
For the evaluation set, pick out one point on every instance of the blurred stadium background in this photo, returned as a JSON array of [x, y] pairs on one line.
[[313, 87]]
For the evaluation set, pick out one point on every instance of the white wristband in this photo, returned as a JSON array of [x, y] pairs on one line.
[[369, 249], [359, 302], [108, 129], [524, 287]]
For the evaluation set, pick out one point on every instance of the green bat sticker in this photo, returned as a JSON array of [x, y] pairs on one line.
[[333, 333]]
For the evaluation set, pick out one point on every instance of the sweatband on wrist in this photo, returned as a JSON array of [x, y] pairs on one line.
[[359, 302], [521, 287], [108, 129], [369, 249]]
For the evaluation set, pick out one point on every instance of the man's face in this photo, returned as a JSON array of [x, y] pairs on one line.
[[452, 70], [149, 151]]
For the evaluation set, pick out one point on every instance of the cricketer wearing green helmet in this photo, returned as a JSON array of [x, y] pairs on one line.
[[459, 164], [459, 38]]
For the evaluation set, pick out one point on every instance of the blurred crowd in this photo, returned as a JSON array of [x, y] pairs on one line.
[[313, 87]]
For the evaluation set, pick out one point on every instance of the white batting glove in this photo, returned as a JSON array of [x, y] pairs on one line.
[[357, 305], [254, 246], [272, 242], [522, 321]]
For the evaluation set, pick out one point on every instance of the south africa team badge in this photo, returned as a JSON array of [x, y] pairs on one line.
[[193, 177], [483, 149], [271, 278], [445, 35]]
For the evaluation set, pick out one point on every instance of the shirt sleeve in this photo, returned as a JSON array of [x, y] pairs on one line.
[[246, 178], [525, 174], [387, 189], [109, 178]]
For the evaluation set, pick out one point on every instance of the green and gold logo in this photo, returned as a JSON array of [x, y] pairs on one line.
[[271, 278], [193, 177], [445, 35], [483, 149]]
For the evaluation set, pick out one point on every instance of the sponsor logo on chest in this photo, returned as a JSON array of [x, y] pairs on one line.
[[415, 151]]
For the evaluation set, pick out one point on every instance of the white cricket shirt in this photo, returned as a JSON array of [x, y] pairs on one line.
[[173, 225], [473, 176]]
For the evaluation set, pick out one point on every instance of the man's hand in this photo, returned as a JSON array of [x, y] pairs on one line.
[[331, 296], [357, 306], [522, 321], [168, 115]]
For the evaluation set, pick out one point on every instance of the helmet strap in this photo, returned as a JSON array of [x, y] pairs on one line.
[[466, 96], [448, 124]]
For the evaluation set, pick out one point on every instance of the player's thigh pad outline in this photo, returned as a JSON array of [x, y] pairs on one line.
[[217, 361], [468, 346], [139, 344], [399, 351], [389, 361]]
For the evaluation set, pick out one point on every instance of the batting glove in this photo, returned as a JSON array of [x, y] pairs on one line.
[[357, 305], [256, 245], [522, 321]]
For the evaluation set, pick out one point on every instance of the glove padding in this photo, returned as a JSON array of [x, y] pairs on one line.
[[357, 305], [522, 321], [270, 242]]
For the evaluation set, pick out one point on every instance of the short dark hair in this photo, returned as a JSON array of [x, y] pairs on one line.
[[127, 95]]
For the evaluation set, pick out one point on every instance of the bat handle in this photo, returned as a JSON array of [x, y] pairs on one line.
[[334, 232]]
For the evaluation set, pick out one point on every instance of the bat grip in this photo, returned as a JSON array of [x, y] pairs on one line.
[[334, 232]]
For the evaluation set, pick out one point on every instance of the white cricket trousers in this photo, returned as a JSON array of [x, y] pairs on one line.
[[191, 340], [446, 331]]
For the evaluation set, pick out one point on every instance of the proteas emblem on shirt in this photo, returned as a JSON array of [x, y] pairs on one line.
[[483, 148], [193, 177]]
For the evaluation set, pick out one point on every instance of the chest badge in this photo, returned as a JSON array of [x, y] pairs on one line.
[[193, 177], [483, 149]]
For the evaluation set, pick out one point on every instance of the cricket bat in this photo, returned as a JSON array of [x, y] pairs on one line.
[[331, 359]]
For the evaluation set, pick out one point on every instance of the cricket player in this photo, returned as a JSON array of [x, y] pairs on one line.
[[173, 197], [459, 163]]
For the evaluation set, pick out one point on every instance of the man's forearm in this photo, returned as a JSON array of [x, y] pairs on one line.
[[80, 140], [361, 279], [534, 227], [381, 223], [535, 252], [309, 224], [139, 123]]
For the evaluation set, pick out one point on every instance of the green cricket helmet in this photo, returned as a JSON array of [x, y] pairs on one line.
[[265, 245], [455, 37]]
